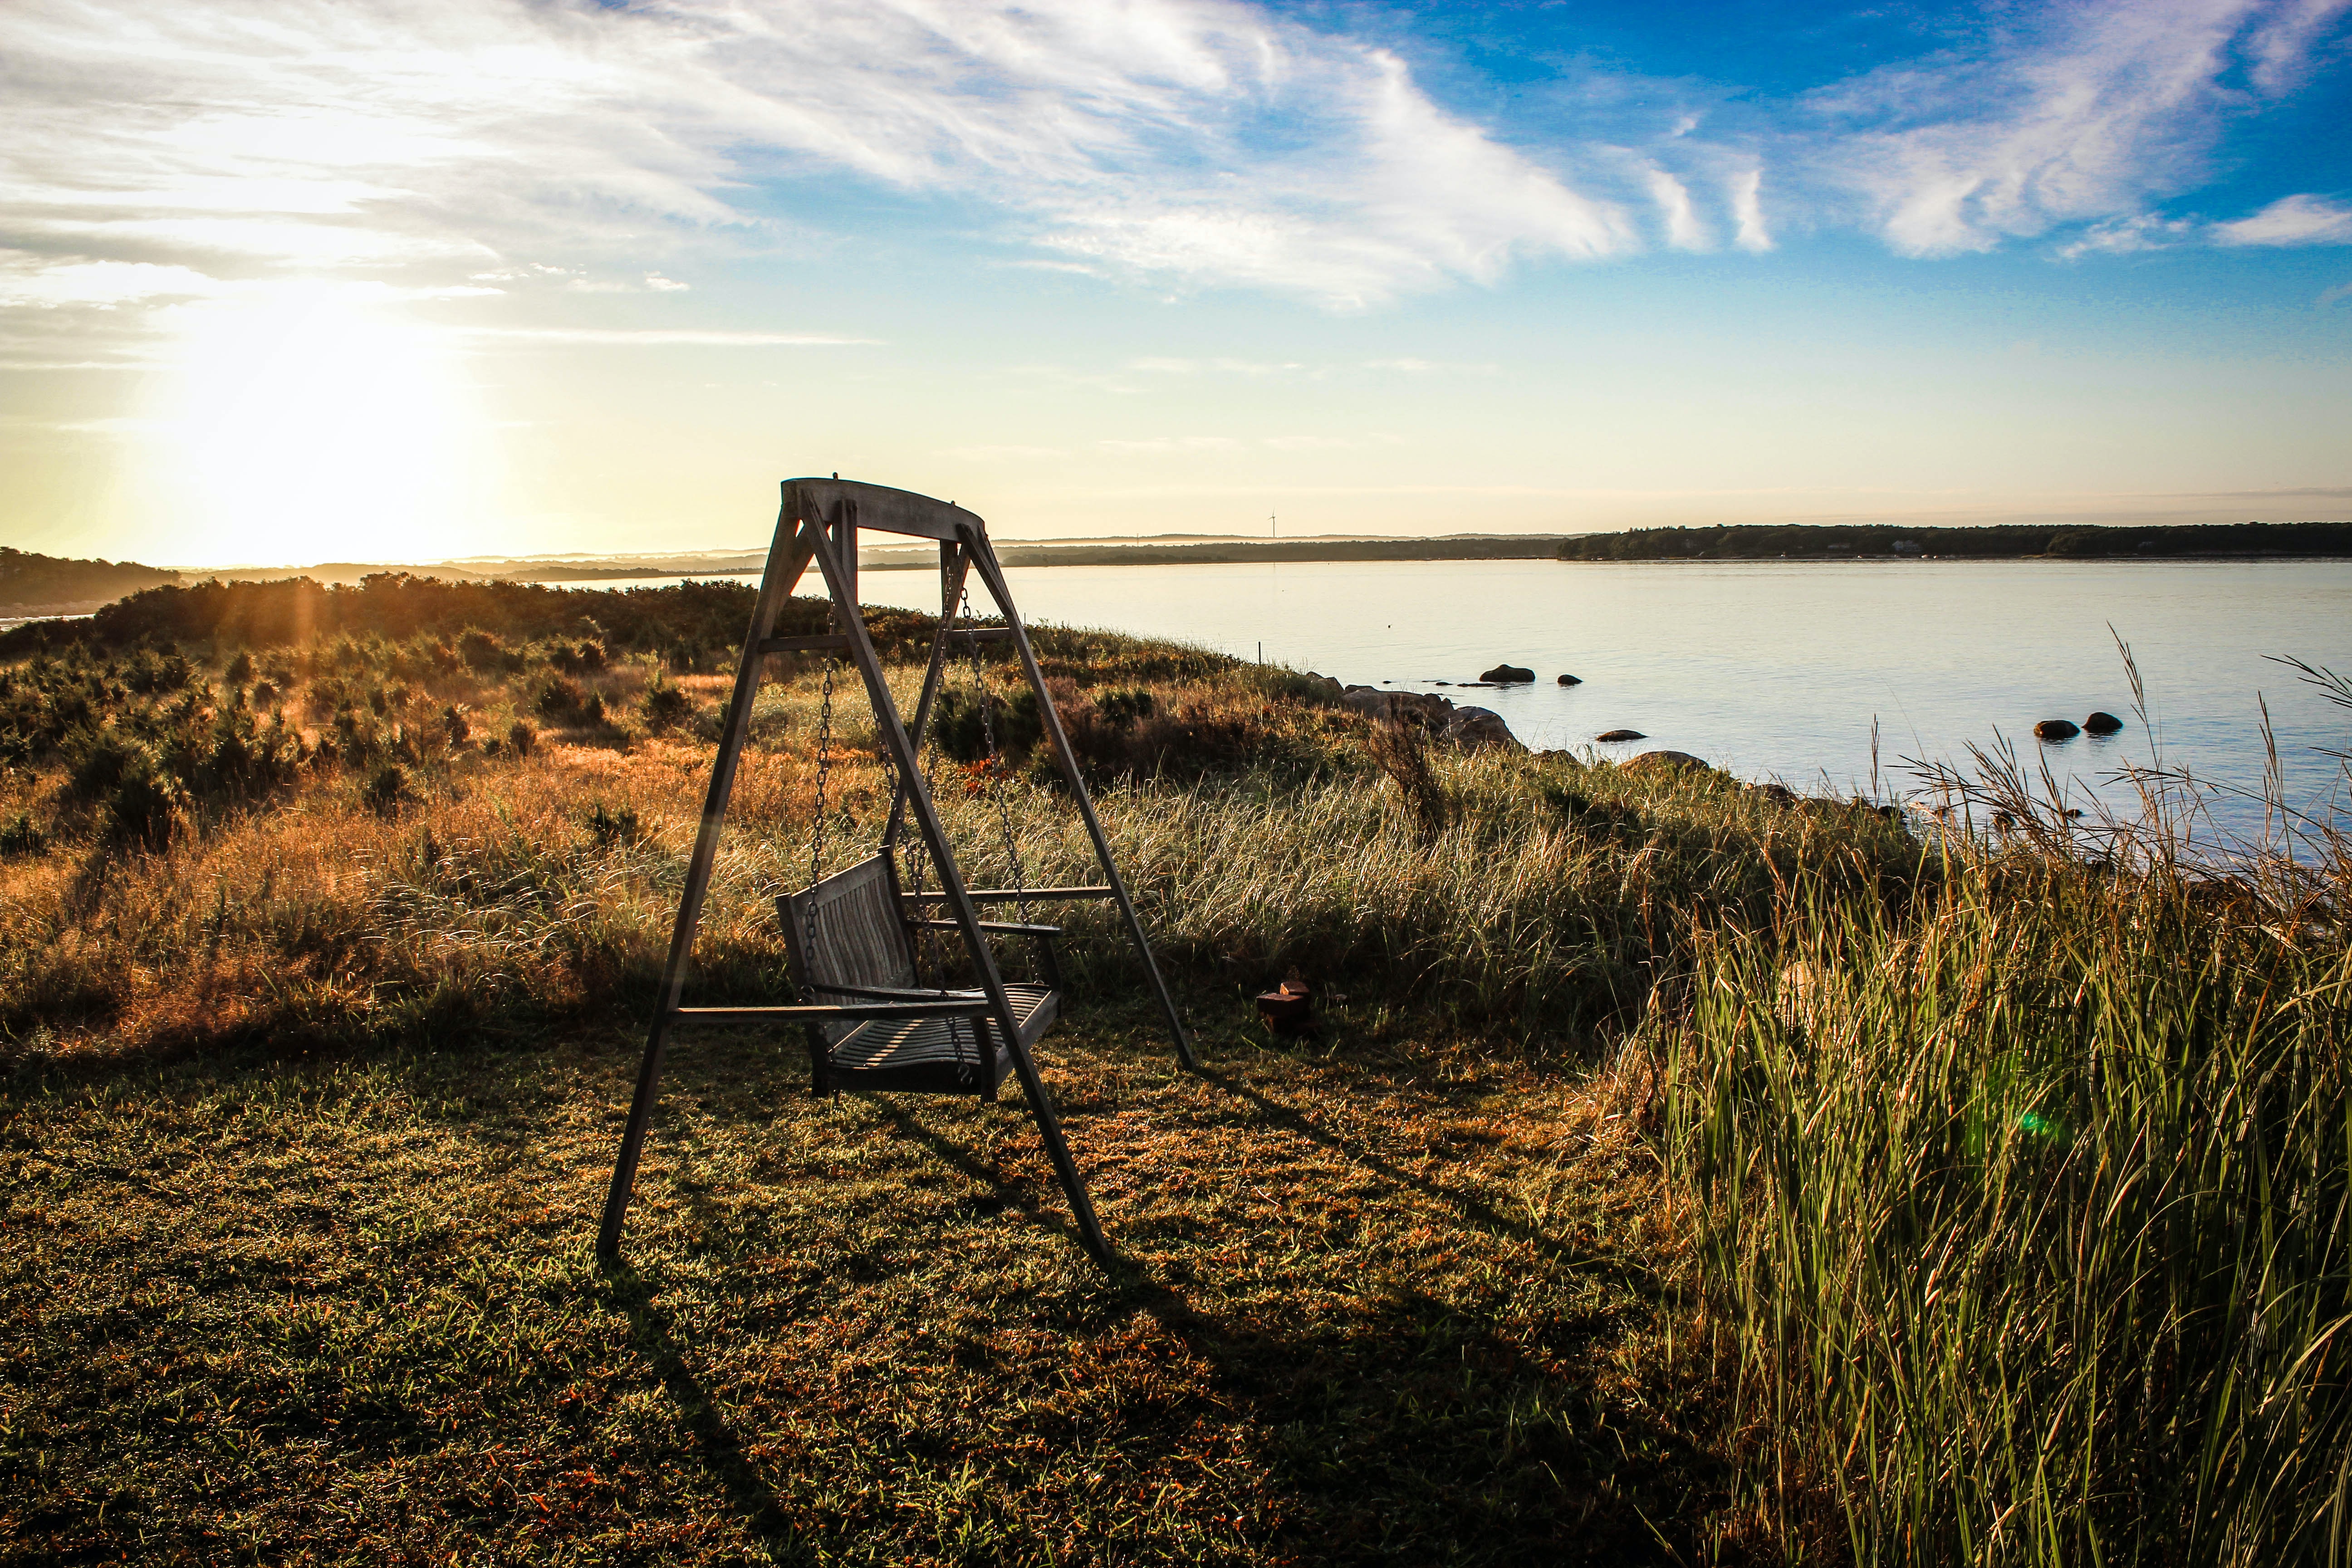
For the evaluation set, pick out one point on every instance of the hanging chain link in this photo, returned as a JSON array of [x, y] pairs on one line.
[[996, 771], [918, 853], [824, 771]]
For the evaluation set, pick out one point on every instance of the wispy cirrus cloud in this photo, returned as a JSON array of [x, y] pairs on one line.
[[2291, 220], [1188, 140], [156, 152], [2080, 115]]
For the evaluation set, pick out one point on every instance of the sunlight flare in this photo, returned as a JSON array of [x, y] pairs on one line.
[[302, 425]]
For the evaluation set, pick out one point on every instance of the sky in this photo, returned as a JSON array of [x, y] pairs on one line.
[[284, 281]]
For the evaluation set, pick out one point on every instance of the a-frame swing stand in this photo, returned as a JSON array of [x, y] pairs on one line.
[[819, 522]]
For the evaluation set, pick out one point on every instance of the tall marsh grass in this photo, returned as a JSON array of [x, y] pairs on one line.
[[2025, 1201]]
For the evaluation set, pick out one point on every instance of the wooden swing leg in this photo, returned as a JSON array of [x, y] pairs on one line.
[[983, 557], [1049, 1132], [784, 569], [958, 898]]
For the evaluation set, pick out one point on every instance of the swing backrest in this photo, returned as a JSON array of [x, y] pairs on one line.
[[860, 937]]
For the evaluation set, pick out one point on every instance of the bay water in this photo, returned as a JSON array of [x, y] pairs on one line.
[[1794, 671]]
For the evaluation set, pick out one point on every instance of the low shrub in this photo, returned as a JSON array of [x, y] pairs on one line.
[[146, 806], [558, 700], [611, 827], [481, 652], [666, 707], [23, 838], [388, 790]]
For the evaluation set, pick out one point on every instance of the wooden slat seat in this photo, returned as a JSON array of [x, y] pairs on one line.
[[846, 939], [939, 1056]]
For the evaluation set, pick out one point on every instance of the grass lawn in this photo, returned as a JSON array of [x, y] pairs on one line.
[[1378, 1301]]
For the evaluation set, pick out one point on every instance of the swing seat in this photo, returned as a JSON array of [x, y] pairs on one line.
[[861, 951]]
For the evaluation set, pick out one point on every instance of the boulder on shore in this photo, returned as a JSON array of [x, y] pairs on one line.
[[1570, 680], [1471, 728], [1615, 735], [1504, 674], [1421, 708], [2102, 723], [2055, 729], [1480, 730], [1654, 762]]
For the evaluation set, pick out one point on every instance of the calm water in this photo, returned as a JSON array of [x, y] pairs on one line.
[[1777, 670]]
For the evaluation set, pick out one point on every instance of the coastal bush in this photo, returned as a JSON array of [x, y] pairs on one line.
[[23, 838], [666, 707]]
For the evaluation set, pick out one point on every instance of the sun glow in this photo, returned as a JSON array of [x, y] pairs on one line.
[[302, 425]]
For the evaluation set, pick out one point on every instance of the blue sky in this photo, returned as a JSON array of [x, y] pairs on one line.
[[283, 280]]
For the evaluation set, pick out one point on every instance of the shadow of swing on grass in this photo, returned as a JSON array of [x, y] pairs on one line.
[[1389, 1396], [650, 1333]]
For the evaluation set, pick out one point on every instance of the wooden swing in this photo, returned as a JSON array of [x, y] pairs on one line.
[[852, 938]]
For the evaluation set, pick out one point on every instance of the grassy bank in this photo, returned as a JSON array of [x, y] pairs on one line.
[[1684, 1171]]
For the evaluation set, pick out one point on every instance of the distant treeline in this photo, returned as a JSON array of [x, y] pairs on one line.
[[1471, 547], [1815, 541], [30, 579], [692, 624]]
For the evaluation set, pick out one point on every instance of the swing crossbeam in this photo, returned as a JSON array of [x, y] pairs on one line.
[[897, 1036]]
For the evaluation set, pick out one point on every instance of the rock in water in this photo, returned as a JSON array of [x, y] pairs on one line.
[[2102, 724], [1612, 735], [1651, 762], [1503, 674], [2055, 729], [1569, 680]]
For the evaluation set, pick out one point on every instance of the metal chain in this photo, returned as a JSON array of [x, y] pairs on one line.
[[823, 769], [918, 853], [996, 771]]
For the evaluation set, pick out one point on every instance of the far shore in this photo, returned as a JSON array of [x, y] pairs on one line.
[[53, 588]]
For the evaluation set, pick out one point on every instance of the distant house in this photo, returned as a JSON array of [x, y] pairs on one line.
[[1904, 547]]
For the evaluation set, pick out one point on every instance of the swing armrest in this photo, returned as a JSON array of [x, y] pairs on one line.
[[1010, 928], [899, 994]]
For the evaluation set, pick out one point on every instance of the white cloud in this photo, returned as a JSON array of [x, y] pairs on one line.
[[1328, 443], [1197, 140], [2121, 236], [2291, 220], [1684, 229], [1002, 454], [1155, 366], [2087, 117], [1187, 143], [2281, 44], [1172, 444], [1746, 191], [44, 281], [652, 336]]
